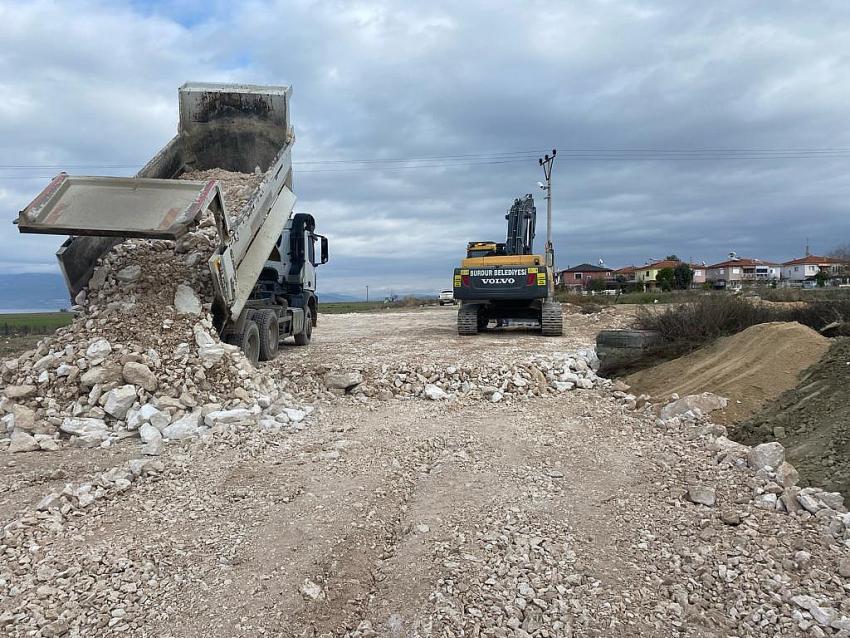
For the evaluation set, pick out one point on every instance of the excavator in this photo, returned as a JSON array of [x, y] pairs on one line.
[[507, 281]]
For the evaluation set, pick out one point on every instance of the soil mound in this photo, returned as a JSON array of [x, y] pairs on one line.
[[812, 421], [750, 368]]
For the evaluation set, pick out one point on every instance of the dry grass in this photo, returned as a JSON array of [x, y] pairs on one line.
[[689, 326]]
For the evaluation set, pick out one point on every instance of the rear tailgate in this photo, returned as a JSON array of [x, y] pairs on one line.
[[509, 282], [117, 207]]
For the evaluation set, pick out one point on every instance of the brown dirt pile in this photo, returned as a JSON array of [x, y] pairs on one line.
[[812, 421], [750, 368]]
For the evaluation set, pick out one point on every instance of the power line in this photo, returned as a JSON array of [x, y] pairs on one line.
[[495, 158]]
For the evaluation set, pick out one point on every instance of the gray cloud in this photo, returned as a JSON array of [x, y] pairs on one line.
[[85, 82]]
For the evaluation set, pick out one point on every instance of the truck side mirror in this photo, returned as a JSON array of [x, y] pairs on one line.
[[324, 248]]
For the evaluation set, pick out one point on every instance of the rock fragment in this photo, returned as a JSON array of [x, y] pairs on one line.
[[139, 374], [186, 301], [766, 455], [120, 400], [702, 495], [23, 442]]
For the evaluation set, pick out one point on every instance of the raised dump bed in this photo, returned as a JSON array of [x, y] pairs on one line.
[[266, 256]]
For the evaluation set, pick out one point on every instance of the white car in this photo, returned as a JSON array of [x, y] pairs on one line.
[[446, 297]]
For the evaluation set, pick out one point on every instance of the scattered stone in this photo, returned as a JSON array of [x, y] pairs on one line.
[[184, 428], [435, 393], [225, 417], [98, 350], [766, 455], [120, 400], [702, 495], [16, 392], [311, 590], [186, 301], [787, 475], [730, 518], [705, 403], [139, 374], [343, 380], [129, 274], [100, 375], [23, 442]]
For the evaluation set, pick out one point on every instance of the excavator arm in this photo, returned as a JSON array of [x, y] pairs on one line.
[[522, 218]]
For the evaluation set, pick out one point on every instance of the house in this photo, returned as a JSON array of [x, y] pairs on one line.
[[743, 270], [798, 270], [626, 274], [699, 274], [646, 274], [580, 277]]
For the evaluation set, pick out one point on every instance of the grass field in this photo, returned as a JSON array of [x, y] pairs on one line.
[[35, 323], [21, 331]]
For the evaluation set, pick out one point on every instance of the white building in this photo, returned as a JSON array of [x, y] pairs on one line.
[[807, 267]]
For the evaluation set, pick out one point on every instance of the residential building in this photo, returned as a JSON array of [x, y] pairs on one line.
[[646, 274], [580, 277], [699, 274], [807, 267], [626, 274], [743, 270]]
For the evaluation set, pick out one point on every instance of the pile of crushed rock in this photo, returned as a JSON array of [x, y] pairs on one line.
[[539, 375], [141, 357], [778, 479]]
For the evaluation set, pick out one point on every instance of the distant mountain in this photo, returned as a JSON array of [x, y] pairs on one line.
[[33, 292], [39, 292], [330, 297]]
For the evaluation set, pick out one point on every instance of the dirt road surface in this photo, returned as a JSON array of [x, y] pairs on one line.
[[563, 515]]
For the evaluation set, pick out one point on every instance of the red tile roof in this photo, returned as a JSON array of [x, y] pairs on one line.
[[658, 265], [586, 268], [742, 261], [812, 259]]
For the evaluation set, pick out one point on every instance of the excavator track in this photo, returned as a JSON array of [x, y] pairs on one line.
[[467, 320], [551, 319]]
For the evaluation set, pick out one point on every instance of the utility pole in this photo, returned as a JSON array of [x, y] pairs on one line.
[[367, 293], [546, 162]]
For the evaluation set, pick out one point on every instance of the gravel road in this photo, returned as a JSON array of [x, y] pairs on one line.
[[559, 515]]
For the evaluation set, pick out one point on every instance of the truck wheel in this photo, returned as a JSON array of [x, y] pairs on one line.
[[303, 337], [249, 341], [551, 319], [467, 320], [269, 333]]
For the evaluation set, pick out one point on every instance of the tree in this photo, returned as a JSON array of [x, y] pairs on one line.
[[597, 284], [672, 258], [841, 252], [683, 276], [665, 278], [821, 278]]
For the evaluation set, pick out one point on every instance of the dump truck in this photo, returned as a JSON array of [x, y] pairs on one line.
[[264, 265], [505, 281]]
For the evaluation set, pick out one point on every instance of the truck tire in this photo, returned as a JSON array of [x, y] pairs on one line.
[[249, 341], [269, 327], [551, 319], [467, 320], [303, 337]]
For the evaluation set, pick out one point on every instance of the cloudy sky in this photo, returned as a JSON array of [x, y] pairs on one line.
[[682, 127]]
